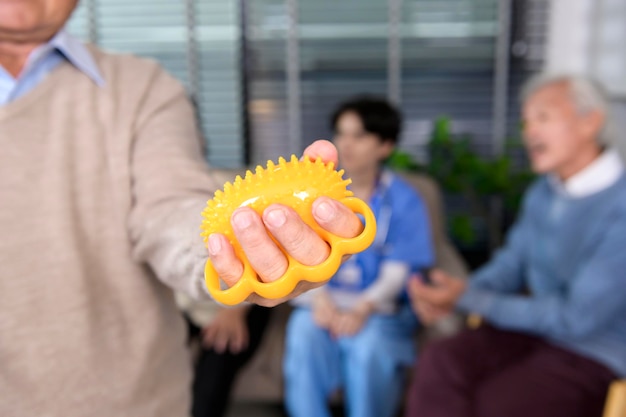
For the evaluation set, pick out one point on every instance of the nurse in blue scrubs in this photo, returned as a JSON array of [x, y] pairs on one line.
[[356, 333]]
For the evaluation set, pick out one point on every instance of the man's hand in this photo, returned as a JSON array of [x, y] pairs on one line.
[[323, 309], [227, 331], [433, 302], [289, 230], [349, 323]]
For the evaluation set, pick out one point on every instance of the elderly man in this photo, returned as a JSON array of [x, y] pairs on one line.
[[101, 186], [554, 297]]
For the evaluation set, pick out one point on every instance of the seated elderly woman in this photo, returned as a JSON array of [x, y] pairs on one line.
[[554, 298]]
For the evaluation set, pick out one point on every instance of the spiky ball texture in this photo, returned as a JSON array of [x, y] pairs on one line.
[[294, 183]]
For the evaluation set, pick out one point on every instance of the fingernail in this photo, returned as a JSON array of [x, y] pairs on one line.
[[276, 217], [215, 244], [324, 211], [242, 220]]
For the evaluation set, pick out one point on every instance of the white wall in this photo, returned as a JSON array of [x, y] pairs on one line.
[[588, 37]]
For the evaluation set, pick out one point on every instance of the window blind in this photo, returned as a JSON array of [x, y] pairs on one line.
[[446, 54], [433, 57], [196, 41]]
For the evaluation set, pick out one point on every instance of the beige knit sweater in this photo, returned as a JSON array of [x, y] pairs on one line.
[[101, 191]]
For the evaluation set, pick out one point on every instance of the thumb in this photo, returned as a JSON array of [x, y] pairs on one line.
[[322, 149], [414, 283], [439, 277]]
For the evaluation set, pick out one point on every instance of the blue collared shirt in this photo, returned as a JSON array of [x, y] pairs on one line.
[[43, 60]]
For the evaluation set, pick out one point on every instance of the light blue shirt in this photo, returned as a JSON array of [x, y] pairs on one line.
[[43, 60]]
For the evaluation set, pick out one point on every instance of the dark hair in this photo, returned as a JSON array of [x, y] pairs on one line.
[[377, 115]]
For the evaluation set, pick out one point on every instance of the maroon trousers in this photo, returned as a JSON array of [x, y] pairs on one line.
[[493, 373]]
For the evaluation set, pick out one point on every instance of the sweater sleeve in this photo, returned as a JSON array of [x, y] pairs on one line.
[[170, 186], [505, 273], [595, 296]]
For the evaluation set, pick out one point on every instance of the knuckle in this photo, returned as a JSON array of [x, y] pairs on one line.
[[296, 237], [272, 269]]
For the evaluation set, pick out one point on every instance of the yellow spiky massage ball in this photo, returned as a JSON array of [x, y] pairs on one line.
[[295, 184]]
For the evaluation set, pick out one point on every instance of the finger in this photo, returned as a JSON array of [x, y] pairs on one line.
[[412, 285], [433, 313], [419, 292], [425, 313], [244, 340], [234, 345], [224, 260], [336, 218], [338, 331], [351, 327], [443, 292], [208, 336], [295, 236], [264, 256], [221, 342], [344, 326], [323, 317], [301, 287], [237, 342], [428, 310], [437, 315], [418, 289], [320, 318], [433, 295], [322, 149], [415, 307], [338, 328], [333, 333], [440, 277], [423, 308], [335, 327]]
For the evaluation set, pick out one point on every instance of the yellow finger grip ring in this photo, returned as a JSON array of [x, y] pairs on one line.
[[295, 184]]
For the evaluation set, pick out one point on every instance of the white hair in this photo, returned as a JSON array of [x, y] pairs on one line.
[[587, 96]]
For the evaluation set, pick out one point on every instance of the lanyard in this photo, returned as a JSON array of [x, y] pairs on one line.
[[351, 273], [383, 220]]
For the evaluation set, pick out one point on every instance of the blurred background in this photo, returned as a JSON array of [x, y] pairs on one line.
[[265, 74]]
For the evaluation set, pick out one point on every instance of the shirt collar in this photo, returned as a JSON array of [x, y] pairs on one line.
[[74, 51], [597, 176]]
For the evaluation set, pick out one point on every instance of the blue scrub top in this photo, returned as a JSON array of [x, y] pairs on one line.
[[403, 235]]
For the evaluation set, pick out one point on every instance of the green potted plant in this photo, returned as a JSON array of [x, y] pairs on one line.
[[487, 189]]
